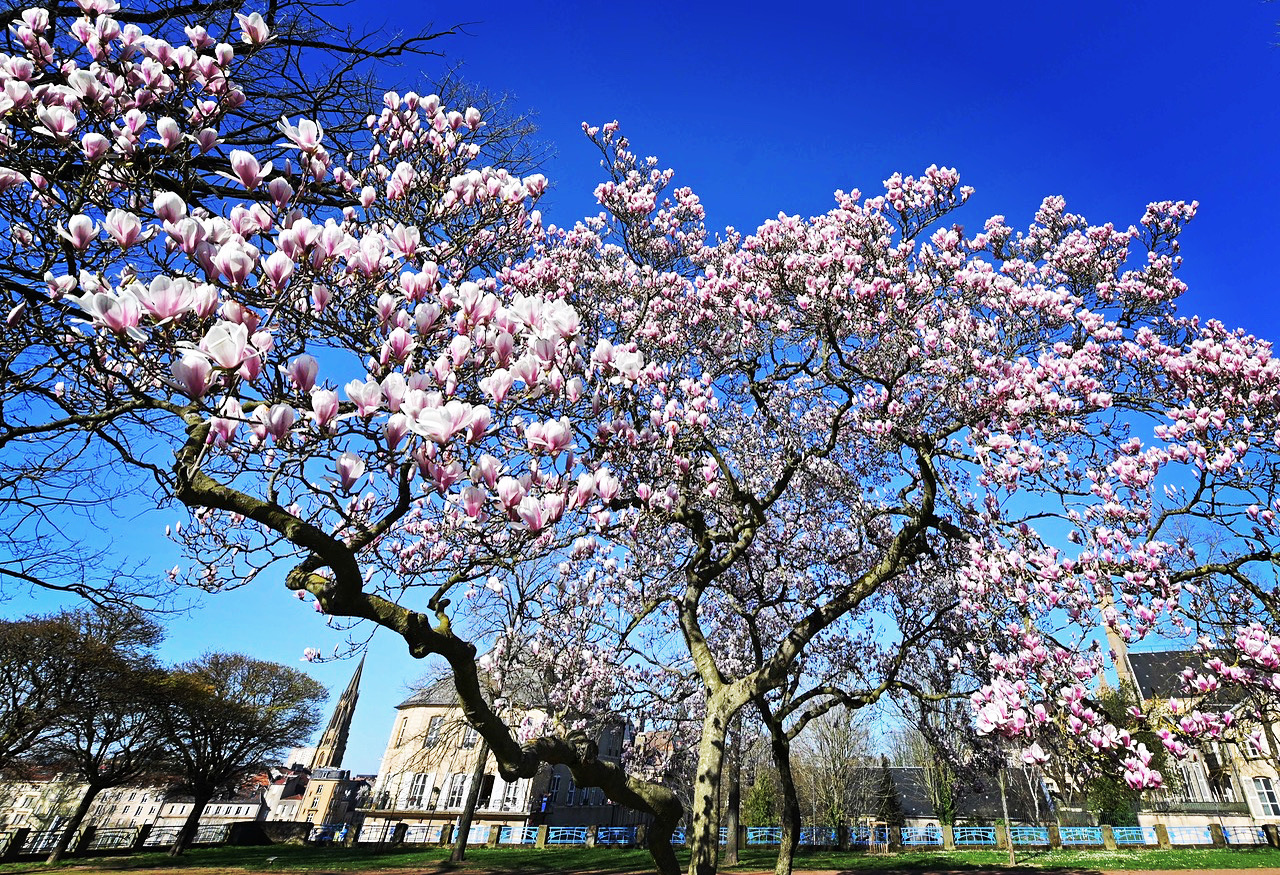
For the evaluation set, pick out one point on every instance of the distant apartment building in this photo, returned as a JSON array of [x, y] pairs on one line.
[[1233, 781]]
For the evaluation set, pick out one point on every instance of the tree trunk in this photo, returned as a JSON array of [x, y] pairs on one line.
[[704, 835], [187, 834], [469, 809], [734, 802], [780, 747], [1004, 807], [660, 847], [69, 831]]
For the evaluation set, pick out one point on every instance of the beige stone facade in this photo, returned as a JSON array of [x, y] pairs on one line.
[[430, 762]]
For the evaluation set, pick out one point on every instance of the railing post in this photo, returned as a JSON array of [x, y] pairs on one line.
[[591, 835], [1216, 835], [398, 832], [1055, 837], [495, 833], [1162, 837], [948, 837], [642, 835], [541, 841], [1108, 837], [1272, 832], [446, 835]]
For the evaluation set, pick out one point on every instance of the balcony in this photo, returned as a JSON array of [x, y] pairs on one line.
[[1210, 807]]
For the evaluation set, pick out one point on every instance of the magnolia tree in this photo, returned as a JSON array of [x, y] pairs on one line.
[[307, 64], [381, 373], [1012, 422], [316, 358]]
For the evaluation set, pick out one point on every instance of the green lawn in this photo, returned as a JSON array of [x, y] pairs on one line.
[[603, 861]]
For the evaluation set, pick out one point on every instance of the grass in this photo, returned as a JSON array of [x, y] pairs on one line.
[[604, 861]]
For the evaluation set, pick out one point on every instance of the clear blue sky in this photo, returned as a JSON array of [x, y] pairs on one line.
[[770, 108]]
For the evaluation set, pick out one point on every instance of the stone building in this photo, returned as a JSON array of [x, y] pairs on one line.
[[430, 762]]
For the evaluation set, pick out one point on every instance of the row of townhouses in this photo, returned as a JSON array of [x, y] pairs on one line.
[[432, 760]]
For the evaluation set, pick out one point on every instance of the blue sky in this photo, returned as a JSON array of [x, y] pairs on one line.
[[763, 109]]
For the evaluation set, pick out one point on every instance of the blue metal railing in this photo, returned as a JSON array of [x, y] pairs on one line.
[[921, 835], [616, 835], [1189, 835], [970, 836], [1134, 835], [567, 835], [1080, 835], [113, 839], [764, 835], [1245, 835], [1029, 835]]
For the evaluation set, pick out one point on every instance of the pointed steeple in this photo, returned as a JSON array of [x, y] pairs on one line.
[[333, 744]]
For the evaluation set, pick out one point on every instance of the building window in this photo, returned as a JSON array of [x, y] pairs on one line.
[[511, 796], [1267, 797], [470, 737], [553, 787], [404, 724], [457, 789], [417, 791], [568, 794], [433, 732]]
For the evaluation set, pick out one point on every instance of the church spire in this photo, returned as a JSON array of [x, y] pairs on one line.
[[333, 744]]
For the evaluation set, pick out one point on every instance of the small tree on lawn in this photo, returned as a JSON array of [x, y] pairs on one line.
[[112, 735], [227, 715]]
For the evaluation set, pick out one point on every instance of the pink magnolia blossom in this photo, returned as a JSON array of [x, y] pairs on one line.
[[395, 430], [253, 30], [81, 231], [440, 424], [275, 421], [246, 167], [277, 267], [486, 470], [192, 371], [324, 407], [306, 135], [302, 372], [552, 437], [531, 513], [367, 396], [510, 492], [118, 313], [124, 227], [226, 344], [473, 500], [222, 428], [350, 468]]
